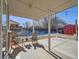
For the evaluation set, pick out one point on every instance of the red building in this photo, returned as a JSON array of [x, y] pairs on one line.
[[70, 29]]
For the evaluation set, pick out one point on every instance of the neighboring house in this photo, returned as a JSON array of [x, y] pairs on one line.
[[14, 25]]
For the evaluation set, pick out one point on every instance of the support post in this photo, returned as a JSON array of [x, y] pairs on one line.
[[8, 27], [1, 38], [56, 26], [49, 31], [33, 27]]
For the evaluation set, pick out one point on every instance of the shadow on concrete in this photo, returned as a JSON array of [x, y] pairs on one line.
[[28, 46], [37, 45], [53, 54], [16, 51]]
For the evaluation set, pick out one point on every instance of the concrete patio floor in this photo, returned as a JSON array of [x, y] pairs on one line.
[[65, 48], [39, 53]]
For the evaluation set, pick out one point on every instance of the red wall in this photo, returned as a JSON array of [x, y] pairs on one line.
[[70, 29]]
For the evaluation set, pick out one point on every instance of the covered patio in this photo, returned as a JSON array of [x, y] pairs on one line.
[[34, 9]]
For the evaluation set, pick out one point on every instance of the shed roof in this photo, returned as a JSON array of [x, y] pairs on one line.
[[13, 22]]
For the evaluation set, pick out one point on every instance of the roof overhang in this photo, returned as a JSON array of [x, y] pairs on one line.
[[37, 9]]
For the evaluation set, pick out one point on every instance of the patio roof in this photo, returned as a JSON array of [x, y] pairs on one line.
[[37, 9]]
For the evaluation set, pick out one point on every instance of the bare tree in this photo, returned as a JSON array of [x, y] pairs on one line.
[[27, 24], [55, 23]]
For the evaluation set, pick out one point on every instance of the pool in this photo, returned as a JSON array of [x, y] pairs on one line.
[[29, 33]]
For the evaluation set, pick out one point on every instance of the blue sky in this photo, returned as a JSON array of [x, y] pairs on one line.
[[69, 16]]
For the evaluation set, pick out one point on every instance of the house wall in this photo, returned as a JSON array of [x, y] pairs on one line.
[[14, 26]]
